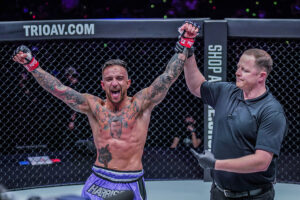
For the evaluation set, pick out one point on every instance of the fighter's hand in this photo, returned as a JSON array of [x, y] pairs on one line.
[[188, 32], [206, 159], [23, 56]]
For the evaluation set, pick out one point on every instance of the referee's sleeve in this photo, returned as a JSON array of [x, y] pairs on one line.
[[210, 91], [271, 132]]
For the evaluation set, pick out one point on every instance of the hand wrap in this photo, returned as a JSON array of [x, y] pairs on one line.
[[31, 63], [185, 42], [179, 49]]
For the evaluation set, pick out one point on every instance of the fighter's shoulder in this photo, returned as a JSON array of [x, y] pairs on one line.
[[93, 99], [140, 95], [141, 101], [136, 100]]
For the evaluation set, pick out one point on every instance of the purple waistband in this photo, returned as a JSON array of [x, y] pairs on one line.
[[118, 176]]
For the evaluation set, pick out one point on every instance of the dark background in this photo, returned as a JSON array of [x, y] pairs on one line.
[[26, 106], [17, 10]]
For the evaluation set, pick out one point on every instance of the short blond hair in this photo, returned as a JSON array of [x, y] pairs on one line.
[[262, 59], [114, 62]]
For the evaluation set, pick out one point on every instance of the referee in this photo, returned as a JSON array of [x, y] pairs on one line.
[[249, 126]]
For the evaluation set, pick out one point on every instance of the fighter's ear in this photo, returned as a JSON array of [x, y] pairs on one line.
[[128, 83], [102, 85]]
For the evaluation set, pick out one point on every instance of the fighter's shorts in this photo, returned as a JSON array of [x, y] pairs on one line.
[[106, 184]]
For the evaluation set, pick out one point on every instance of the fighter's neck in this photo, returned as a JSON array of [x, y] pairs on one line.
[[117, 107]]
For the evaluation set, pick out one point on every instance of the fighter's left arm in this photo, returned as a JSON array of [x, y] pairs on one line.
[[159, 88], [157, 91]]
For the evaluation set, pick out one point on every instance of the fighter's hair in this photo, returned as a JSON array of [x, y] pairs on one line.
[[262, 59], [114, 62]]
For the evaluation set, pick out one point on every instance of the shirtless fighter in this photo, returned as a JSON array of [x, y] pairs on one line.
[[119, 123]]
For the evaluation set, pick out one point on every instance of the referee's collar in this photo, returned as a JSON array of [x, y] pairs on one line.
[[241, 96]]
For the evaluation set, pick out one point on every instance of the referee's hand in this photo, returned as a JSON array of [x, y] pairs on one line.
[[206, 159]]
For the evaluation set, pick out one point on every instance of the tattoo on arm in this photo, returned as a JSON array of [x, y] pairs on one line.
[[104, 155], [55, 87], [161, 85]]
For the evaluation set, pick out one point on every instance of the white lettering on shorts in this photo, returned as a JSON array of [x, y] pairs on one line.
[[102, 192]]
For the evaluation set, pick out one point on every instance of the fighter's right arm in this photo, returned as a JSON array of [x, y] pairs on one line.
[[72, 98]]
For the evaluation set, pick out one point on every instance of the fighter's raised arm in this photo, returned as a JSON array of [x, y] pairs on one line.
[[157, 91], [72, 98]]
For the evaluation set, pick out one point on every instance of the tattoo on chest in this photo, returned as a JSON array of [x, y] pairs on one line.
[[104, 155], [115, 123]]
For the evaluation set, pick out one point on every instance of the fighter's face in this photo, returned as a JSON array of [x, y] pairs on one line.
[[248, 75], [115, 83]]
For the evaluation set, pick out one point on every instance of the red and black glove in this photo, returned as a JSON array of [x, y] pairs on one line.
[[31, 63], [186, 42]]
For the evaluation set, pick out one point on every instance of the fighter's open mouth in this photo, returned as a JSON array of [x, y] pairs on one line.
[[115, 93]]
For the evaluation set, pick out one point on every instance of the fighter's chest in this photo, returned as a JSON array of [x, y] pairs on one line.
[[116, 124]]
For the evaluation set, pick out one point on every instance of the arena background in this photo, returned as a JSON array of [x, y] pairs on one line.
[[35, 124]]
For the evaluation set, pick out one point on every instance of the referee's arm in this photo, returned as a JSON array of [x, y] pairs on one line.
[[257, 162]]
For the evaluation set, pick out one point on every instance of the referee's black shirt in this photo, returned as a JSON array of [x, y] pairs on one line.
[[242, 126]]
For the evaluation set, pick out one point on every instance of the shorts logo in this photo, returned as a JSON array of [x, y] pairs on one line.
[[103, 192]]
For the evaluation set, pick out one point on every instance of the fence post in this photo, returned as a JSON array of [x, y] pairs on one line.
[[215, 65]]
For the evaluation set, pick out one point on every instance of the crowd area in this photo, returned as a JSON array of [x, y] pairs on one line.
[[86, 9]]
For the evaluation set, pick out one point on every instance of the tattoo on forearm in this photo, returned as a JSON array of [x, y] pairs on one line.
[[55, 87], [164, 81], [104, 155], [175, 66], [160, 85]]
